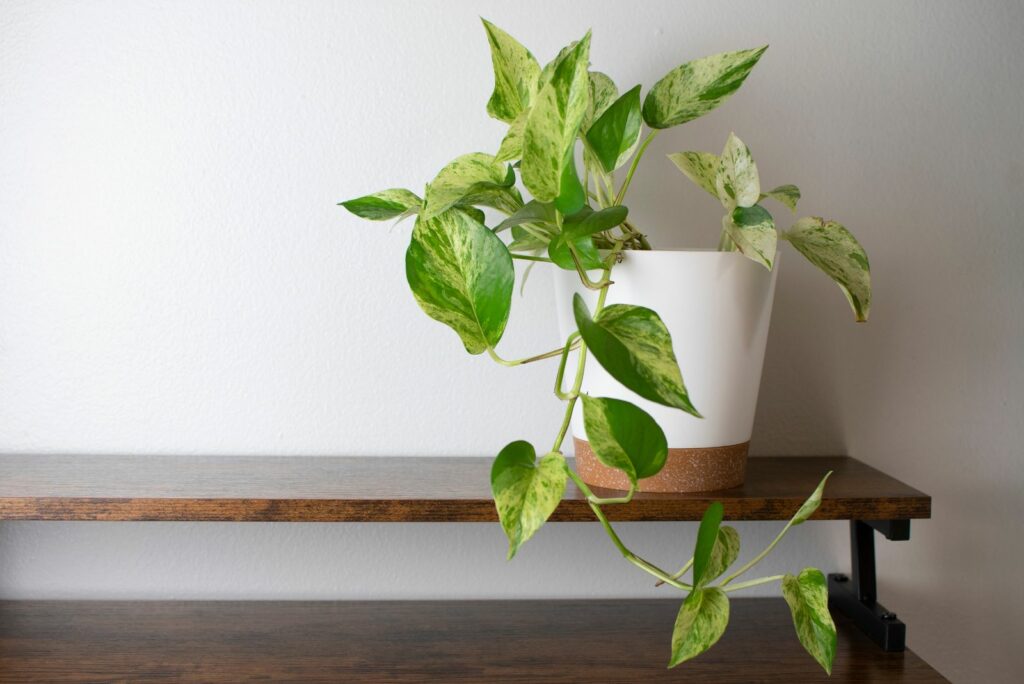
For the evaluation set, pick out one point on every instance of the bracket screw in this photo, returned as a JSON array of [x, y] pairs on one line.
[[888, 616], [841, 578]]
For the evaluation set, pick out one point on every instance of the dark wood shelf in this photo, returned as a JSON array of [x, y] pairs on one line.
[[401, 489], [412, 641]]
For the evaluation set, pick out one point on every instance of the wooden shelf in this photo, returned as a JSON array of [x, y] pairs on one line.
[[401, 489], [412, 641]]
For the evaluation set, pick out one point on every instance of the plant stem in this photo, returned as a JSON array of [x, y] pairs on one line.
[[758, 558], [752, 583], [679, 574], [569, 346], [632, 167], [527, 257], [530, 359]]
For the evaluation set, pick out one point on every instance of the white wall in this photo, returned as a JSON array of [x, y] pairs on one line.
[[176, 278]]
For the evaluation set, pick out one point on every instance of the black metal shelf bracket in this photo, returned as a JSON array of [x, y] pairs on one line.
[[856, 595]]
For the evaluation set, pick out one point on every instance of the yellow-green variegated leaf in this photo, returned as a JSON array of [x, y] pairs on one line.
[[602, 93], [461, 275], [700, 167], [474, 178], [383, 205], [723, 554], [511, 147], [634, 346], [785, 194], [753, 231], [701, 622], [516, 73], [616, 133], [624, 436], [526, 491], [833, 249], [736, 182], [808, 507], [707, 537], [552, 126], [807, 596], [695, 88]]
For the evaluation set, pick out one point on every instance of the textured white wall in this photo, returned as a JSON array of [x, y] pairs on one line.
[[175, 278]]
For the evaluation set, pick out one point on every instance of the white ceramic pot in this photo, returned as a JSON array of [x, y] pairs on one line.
[[717, 307]]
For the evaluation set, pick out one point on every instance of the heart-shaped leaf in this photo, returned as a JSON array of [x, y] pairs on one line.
[[707, 535], [634, 346], [511, 147], [558, 252], [736, 181], [531, 212], [723, 553], [700, 167], [616, 133], [516, 73], [624, 436], [553, 124], [808, 507], [753, 231], [785, 194], [461, 274], [383, 205], [807, 596], [695, 88], [588, 222], [602, 93], [474, 178], [833, 249], [701, 622], [526, 492]]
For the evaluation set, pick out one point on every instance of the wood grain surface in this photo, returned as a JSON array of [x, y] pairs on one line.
[[411, 641], [401, 489]]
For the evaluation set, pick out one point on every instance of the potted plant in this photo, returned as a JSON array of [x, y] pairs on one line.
[[461, 272]]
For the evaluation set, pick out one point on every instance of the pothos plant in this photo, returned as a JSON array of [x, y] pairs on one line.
[[461, 272]]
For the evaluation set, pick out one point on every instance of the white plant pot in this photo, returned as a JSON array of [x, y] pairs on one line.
[[717, 307]]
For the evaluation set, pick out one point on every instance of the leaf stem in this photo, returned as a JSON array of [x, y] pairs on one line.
[[679, 574], [569, 346], [529, 359], [752, 583], [528, 257], [759, 557], [632, 167]]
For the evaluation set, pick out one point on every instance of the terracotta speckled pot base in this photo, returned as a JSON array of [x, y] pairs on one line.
[[686, 470]]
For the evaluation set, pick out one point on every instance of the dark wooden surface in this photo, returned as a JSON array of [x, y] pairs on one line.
[[407, 641], [400, 489]]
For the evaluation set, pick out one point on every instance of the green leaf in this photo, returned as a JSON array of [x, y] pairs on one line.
[[474, 213], [602, 93], [516, 73], [531, 212], [553, 124], [786, 194], [461, 274], [701, 622], [707, 535], [615, 135], [474, 178], [512, 144], [808, 507], [807, 596], [753, 231], [624, 436], [571, 196], [695, 88], [558, 251], [383, 205], [700, 167], [723, 553], [736, 182], [526, 492], [588, 222], [834, 250], [634, 346]]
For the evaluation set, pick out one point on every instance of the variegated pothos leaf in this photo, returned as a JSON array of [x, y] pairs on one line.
[[511, 147], [461, 275], [526, 492], [808, 507], [736, 182], [602, 93], [516, 73], [695, 88], [474, 178], [553, 124], [701, 622], [616, 133], [624, 436], [833, 249], [634, 346], [384, 205], [807, 596], [753, 231], [699, 167], [788, 195], [723, 554]]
